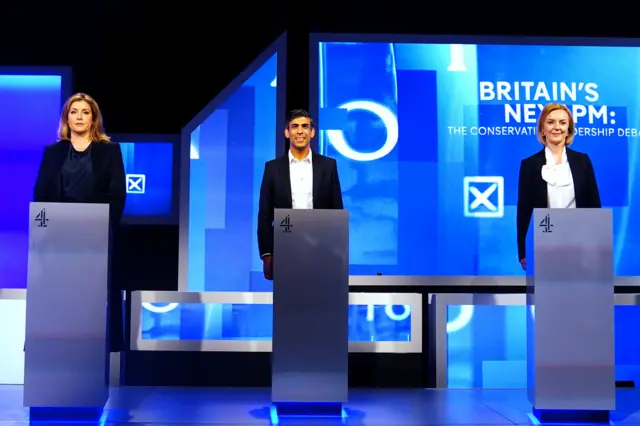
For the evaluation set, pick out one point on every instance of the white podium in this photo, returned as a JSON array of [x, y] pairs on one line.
[[66, 350], [310, 311], [570, 332]]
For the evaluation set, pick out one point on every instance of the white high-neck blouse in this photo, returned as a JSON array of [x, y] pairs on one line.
[[559, 181]]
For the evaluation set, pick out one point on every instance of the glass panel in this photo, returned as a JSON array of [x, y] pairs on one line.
[[199, 321]]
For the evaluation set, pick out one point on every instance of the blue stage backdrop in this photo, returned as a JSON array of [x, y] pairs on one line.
[[429, 138], [149, 166], [488, 347], [229, 145], [30, 104]]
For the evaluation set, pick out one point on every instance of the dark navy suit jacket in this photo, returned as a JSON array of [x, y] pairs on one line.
[[532, 189], [275, 193], [108, 172]]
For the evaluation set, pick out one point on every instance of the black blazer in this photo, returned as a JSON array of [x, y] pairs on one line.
[[532, 189], [275, 193], [108, 172]]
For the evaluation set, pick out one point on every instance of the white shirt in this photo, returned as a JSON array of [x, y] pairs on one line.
[[301, 172], [559, 182]]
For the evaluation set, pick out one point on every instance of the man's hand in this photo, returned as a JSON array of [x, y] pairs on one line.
[[523, 263], [267, 267]]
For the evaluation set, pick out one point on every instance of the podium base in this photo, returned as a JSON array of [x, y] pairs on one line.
[[66, 414], [308, 409], [571, 416]]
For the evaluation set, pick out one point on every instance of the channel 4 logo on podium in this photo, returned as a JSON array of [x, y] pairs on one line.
[[546, 225], [483, 197], [286, 224], [42, 219], [136, 183]]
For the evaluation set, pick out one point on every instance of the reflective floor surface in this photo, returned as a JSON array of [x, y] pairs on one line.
[[244, 407]]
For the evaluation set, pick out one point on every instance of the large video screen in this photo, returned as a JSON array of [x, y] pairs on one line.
[[229, 148], [429, 139], [30, 108], [149, 168]]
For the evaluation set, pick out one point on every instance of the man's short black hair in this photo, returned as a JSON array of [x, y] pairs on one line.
[[297, 113]]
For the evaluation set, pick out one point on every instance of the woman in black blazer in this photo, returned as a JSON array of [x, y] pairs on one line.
[[556, 176], [84, 166]]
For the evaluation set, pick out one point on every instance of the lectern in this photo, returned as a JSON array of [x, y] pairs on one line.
[[570, 317], [66, 351], [310, 311]]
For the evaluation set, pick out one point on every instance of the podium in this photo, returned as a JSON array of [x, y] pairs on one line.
[[310, 311], [570, 315], [66, 353]]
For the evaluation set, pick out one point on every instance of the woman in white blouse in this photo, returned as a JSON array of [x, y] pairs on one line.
[[556, 177]]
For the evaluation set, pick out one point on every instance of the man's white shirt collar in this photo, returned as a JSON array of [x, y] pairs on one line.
[[293, 159]]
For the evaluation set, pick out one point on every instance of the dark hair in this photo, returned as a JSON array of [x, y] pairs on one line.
[[297, 113]]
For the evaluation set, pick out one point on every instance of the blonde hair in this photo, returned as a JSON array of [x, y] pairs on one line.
[[571, 131], [97, 129]]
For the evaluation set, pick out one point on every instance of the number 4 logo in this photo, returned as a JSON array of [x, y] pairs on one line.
[[546, 225], [286, 224]]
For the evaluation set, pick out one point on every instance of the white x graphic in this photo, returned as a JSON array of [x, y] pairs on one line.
[[487, 199], [136, 183], [482, 198]]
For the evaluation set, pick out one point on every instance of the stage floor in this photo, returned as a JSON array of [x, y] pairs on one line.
[[244, 407]]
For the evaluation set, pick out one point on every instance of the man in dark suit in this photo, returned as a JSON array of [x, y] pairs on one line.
[[301, 179]]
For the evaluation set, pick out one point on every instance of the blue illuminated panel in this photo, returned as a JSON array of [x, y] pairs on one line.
[[228, 153], [487, 349], [194, 321], [29, 113], [429, 139], [149, 170]]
